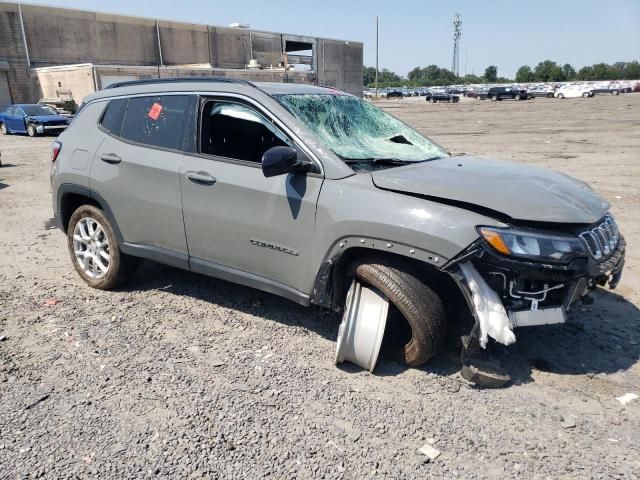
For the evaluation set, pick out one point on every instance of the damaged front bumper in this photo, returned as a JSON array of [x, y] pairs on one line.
[[504, 293]]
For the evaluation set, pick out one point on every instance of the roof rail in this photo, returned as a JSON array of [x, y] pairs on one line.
[[151, 81]]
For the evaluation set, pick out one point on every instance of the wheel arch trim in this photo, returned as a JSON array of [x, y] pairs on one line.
[[327, 282]]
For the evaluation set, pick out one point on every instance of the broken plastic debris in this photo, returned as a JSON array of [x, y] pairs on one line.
[[51, 302], [626, 398], [492, 316], [429, 451]]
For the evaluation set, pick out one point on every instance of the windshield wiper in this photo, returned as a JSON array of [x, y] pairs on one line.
[[386, 161], [379, 161]]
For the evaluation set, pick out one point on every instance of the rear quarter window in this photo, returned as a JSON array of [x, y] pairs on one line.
[[113, 116]]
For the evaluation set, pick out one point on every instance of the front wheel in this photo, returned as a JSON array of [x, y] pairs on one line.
[[31, 130], [518, 97], [420, 306], [585, 95], [94, 250], [494, 98], [3, 129], [615, 92], [560, 96]]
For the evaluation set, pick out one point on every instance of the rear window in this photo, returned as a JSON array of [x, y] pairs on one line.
[[156, 121]]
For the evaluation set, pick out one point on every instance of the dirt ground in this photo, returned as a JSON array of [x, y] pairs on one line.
[[182, 376]]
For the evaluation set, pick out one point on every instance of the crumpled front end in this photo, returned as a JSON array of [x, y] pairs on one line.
[[505, 292]]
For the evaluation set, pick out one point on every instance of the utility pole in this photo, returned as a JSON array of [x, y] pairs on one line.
[[377, 29]]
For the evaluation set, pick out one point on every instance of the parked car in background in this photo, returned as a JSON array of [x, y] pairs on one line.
[[574, 91], [478, 94], [546, 91], [32, 119], [441, 96], [500, 93]]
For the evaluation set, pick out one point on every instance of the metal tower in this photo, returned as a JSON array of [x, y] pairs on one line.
[[457, 33]]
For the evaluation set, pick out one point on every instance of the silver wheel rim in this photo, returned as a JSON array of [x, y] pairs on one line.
[[3, 128], [363, 324], [91, 248]]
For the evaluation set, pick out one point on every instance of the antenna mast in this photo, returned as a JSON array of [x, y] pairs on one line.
[[457, 33]]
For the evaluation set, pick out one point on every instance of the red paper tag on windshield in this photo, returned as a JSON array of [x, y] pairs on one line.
[[154, 111]]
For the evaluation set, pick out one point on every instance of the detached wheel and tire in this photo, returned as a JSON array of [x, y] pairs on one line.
[[94, 250], [420, 306], [31, 130]]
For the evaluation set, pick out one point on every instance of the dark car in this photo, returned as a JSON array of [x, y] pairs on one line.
[[500, 93], [477, 94], [434, 97], [612, 90], [32, 119]]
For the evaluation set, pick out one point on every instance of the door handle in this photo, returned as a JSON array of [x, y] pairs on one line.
[[110, 158], [201, 177]]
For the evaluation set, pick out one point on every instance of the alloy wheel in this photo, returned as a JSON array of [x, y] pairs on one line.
[[91, 247]]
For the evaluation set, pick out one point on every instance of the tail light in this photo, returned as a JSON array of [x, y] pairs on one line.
[[55, 150]]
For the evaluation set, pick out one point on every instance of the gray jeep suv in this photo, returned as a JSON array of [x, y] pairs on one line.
[[309, 193]]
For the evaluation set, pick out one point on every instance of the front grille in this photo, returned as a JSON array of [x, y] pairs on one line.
[[602, 239]]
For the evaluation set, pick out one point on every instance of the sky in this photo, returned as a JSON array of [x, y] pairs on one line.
[[419, 33]]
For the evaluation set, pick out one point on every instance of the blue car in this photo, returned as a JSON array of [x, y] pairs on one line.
[[32, 119]]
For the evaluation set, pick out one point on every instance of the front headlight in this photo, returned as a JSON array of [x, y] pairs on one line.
[[539, 246]]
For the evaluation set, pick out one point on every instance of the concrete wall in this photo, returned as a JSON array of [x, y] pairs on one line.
[[12, 51], [57, 36], [340, 65]]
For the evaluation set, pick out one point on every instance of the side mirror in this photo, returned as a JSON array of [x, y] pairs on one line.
[[283, 160]]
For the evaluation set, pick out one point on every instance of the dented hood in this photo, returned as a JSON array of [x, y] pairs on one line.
[[521, 192]]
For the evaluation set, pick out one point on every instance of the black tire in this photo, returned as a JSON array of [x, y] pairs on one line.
[[3, 129], [517, 97], [420, 306], [121, 267], [31, 130], [452, 100], [549, 95], [494, 98]]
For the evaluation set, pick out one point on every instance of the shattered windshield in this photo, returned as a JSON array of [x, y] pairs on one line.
[[355, 130]]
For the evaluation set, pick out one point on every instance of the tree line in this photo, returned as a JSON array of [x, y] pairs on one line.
[[546, 71], [549, 71]]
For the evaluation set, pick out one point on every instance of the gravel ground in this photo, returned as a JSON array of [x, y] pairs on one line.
[[182, 376]]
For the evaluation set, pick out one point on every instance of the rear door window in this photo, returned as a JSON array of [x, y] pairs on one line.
[[157, 121]]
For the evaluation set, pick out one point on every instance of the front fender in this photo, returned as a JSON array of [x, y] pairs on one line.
[[354, 213]]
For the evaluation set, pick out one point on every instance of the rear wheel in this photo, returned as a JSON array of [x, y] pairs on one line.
[[615, 92], [31, 130], [94, 249], [585, 95], [415, 302], [494, 98]]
